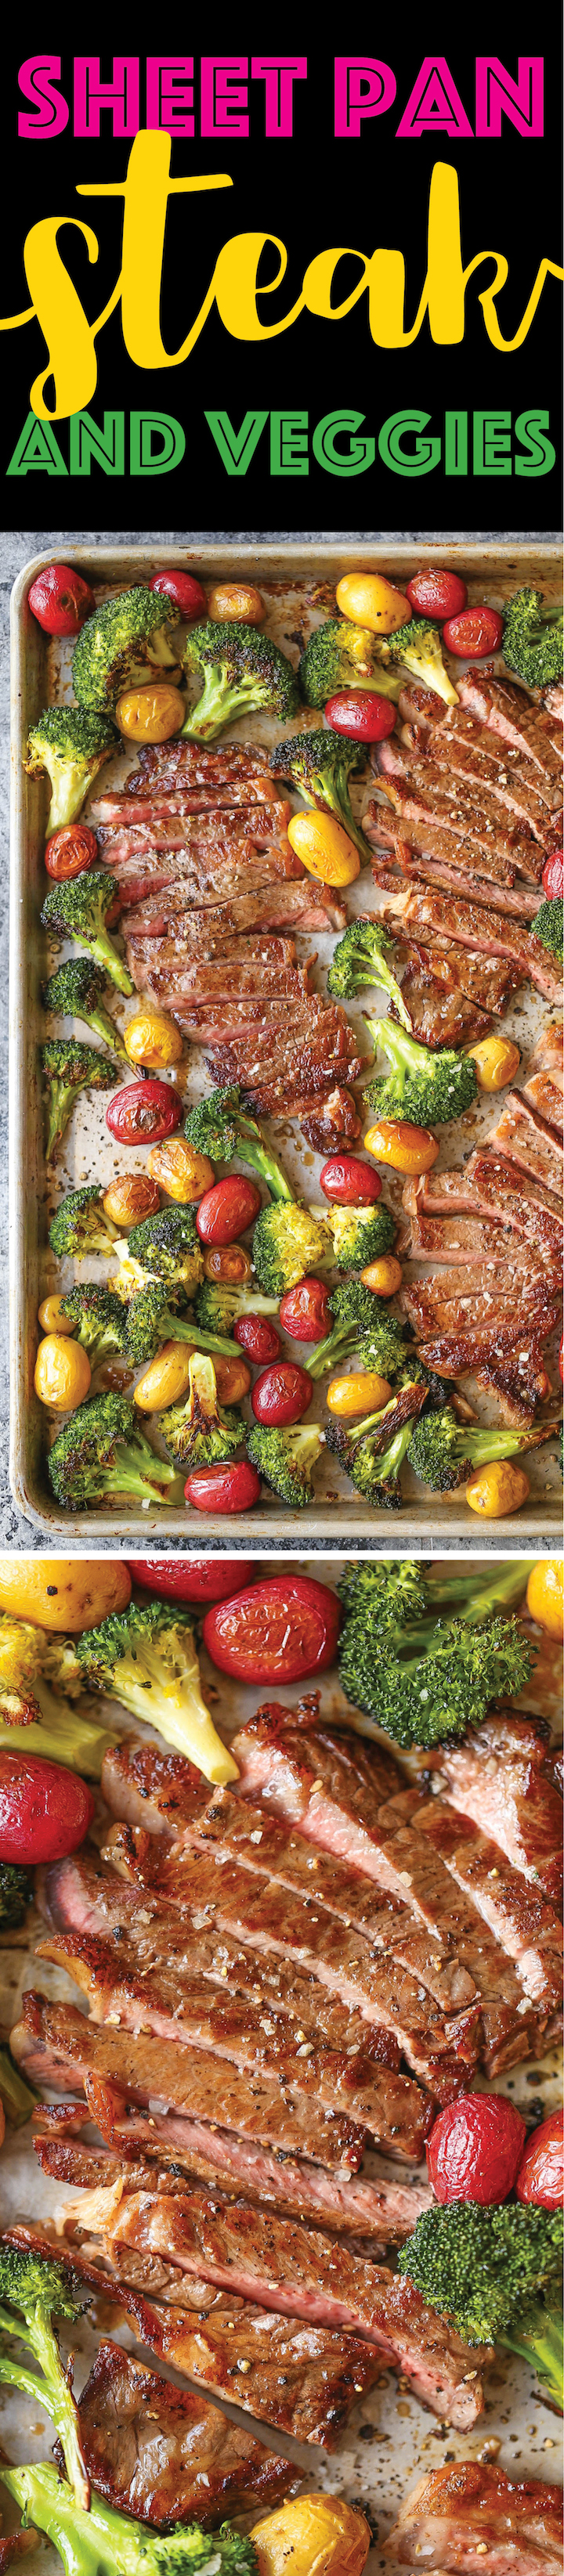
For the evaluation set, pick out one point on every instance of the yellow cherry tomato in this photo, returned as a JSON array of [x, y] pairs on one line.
[[129, 1199], [405, 1148], [372, 601], [501, 1487], [182, 1173], [62, 1373], [59, 1592], [323, 847], [314, 2535], [383, 1276], [228, 1261], [51, 1318], [497, 1061], [545, 1595], [232, 1378], [152, 1038], [166, 1379], [151, 712], [357, 1394], [234, 599]]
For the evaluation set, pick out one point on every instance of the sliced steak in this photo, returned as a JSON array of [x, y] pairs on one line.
[[528, 730], [161, 2453], [463, 748], [468, 1241], [421, 868], [199, 844], [277, 907], [472, 926], [295, 1061], [527, 1927], [549, 1052], [331, 1122], [503, 1778], [545, 1097], [522, 1135], [162, 2151], [440, 1013], [491, 1186], [181, 765], [426, 795], [471, 2508]]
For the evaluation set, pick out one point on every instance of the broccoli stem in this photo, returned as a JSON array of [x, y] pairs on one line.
[[542, 2347], [337, 1345], [218, 706], [502, 1588], [90, 2542], [57, 2396], [64, 1737], [404, 1051], [102, 950], [256, 1154], [17, 2098]]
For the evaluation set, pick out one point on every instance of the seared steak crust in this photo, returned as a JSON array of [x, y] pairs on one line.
[[161, 2453], [472, 2507]]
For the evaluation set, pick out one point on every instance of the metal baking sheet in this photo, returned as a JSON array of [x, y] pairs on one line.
[[390, 2439], [40, 670]]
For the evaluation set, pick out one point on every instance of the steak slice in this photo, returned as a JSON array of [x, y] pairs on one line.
[[545, 1097], [297, 1060], [162, 2151], [505, 710], [491, 1186], [422, 868], [424, 794], [180, 765], [548, 1054], [465, 749], [521, 1134], [276, 907], [528, 1929], [204, 842], [470, 2507], [330, 1122], [439, 1011], [472, 926], [504, 1780], [161, 2453]]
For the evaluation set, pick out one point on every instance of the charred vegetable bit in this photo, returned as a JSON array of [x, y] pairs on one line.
[[286, 1460], [150, 1321], [361, 958], [426, 1681], [38, 1673], [418, 647], [426, 1086], [126, 641], [217, 1308], [220, 1127], [444, 1453], [77, 910], [201, 1432], [241, 672], [75, 993], [288, 1241], [105, 2543], [340, 655], [496, 2271], [71, 746], [532, 639], [371, 1452], [80, 1225], [100, 1321], [32, 2292], [101, 1453], [145, 1657], [69, 1067], [164, 1246], [320, 764], [548, 926]]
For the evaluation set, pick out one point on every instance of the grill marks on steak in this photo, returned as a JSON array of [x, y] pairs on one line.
[[503, 1778], [159, 2452], [471, 2507]]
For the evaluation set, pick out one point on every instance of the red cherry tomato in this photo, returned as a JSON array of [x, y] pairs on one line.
[[286, 1628], [553, 874], [435, 593], [305, 1311], [475, 2149], [70, 851], [61, 600], [257, 1337], [477, 632], [227, 1209], [283, 1393], [188, 596], [144, 1112], [224, 1489], [362, 713], [349, 1181], [192, 1578], [541, 2172], [45, 1811]]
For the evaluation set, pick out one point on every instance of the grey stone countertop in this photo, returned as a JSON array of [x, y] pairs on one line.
[[17, 546]]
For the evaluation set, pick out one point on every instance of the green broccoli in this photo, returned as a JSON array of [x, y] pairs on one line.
[[444, 1453], [123, 643], [221, 1127], [105, 2543], [286, 1460], [496, 2271], [34, 1668], [15, 1892], [359, 1234], [34, 2290], [17, 2098], [357, 1326], [145, 1657], [241, 672], [150, 1321], [200, 1432], [80, 1225], [548, 926], [418, 647], [340, 655], [427, 1086], [77, 910], [101, 1324], [319, 764], [164, 1246], [359, 959], [100, 1454], [532, 639], [289, 1241], [69, 1067], [217, 1307], [391, 1593], [371, 1452], [74, 993], [426, 1682], [71, 746]]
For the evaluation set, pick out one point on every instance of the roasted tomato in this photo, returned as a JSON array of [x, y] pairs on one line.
[[283, 1393], [285, 1629], [257, 1337], [305, 1311], [60, 600], [362, 713], [349, 1181], [144, 1112], [226, 1210], [553, 875], [70, 851], [187, 593], [475, 2149], [477, 632], [437, 594], [192, 1578], [223, 1489], [45, 1810], [541, 2172]]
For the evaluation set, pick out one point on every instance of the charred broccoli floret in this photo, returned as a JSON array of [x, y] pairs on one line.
[[100, 1453], [102, 1325], [151, 1321], [74, 993], [548, 926], [125, 641], [81, 1225], [356, 1322], [286, 1460], [418, 647], [165, 1246], [340, 655], [361, 958], [320, 764], [77, 910], [220, 1127], [532, 639], [371, 1451], [218, 1306], [241, 671], [359, 1234], [497, 2272], [444, 1453], [69, 1067], [427, 1085], [289, 1241], [201, 1432], [145, 1657], [71, 746]]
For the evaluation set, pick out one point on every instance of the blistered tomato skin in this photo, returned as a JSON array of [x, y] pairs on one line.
[[45, 1811], [305, 1312], [187, 594], [282, 1394], [258, 1338], [362, 714], [349, 1181], [553, 875], [541, 2174], [475, 2149], [477, 632], [227, 1209], [281, 1631], [223, 1489], [70, 851], [197, 1578], [60, 600], [144, 1112], [436, 594]]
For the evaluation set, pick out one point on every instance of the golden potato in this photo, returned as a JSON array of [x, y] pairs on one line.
[[60, 1592], [182, 1173], [152, 1038], [51, 1317], [236, 599], [323, 847], [544, 1595], [166, 1379], [129, 1198], [383, 1276], [315, 2535], [501, 1487], [372, 601], [62, 1373], [151, 712]]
